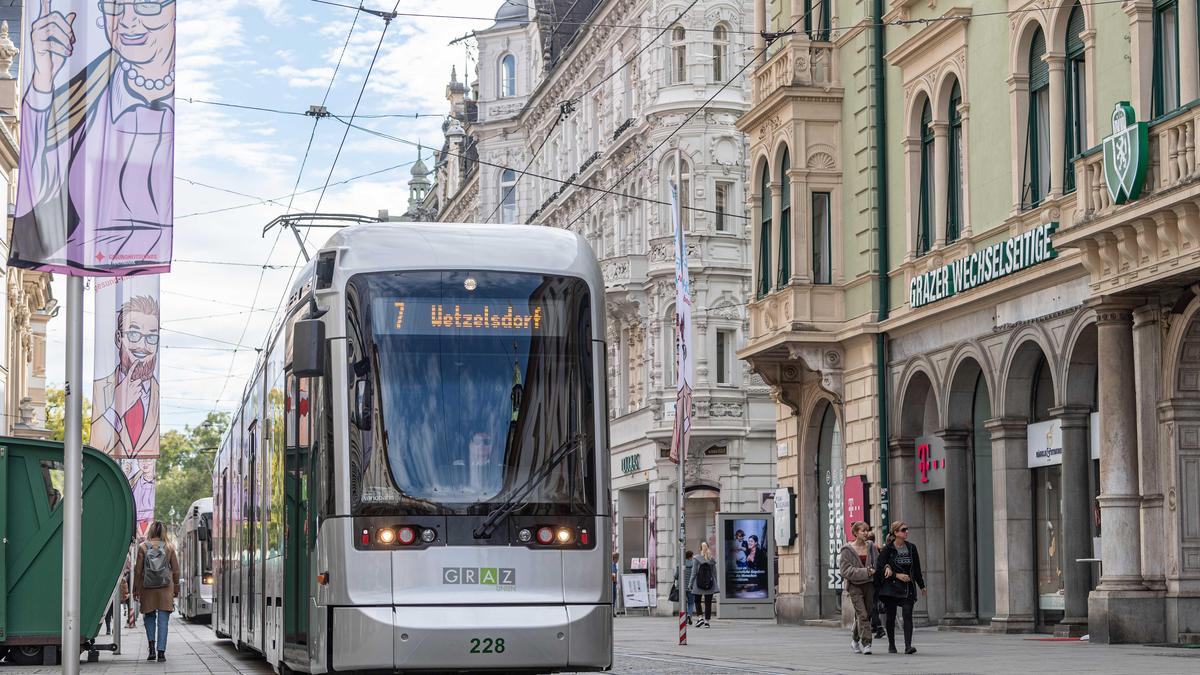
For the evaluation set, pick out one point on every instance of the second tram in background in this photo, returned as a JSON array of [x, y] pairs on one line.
[[196, 561], [417, 477]]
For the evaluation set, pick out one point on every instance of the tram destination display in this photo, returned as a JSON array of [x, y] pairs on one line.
[[432, 316]]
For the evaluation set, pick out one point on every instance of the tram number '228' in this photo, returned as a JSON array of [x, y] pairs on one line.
[[487, 645]]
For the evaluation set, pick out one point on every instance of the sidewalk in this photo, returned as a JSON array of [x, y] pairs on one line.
[[648, 645], [191, 649]]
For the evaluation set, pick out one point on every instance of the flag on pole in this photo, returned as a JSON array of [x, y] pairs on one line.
[[683, 338], [94, 192]]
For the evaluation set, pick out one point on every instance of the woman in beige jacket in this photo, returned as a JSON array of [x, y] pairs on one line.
[[856, 562], [155, 586]]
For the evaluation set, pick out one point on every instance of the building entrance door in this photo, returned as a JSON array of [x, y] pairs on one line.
[[830, 479], [985, 546]]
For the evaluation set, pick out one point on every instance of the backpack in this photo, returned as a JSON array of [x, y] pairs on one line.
[[156, 571], [704, 576]]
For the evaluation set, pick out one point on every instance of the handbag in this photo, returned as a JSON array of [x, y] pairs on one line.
[[673, 595], [894, 588]]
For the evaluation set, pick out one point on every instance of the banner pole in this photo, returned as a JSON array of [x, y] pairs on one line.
[[678, 206], [73, 478]]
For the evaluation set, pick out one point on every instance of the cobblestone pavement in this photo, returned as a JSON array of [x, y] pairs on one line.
[[646, 646]]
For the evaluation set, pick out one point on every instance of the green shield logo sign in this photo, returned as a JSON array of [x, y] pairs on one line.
[[1126, 155]]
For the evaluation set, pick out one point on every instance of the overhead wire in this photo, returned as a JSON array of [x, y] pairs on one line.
[[298, 113]]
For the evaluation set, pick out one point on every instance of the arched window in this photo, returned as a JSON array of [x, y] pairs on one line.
[[1076, 96], [817, 20], [678, 55], [764, 235], [508, 196], [925, 211], [720, 52], [508, 75], [785, 221], [954, 184], [1166, 56], [1036, 179]]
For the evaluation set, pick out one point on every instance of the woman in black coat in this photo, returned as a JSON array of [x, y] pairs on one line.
[[898, 575]]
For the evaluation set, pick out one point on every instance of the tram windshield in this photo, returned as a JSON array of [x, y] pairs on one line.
[[462, 384]]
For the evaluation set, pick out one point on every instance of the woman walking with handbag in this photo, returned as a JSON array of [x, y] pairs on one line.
[[857, 562], [689, 565], [704, 583], [899, 575]]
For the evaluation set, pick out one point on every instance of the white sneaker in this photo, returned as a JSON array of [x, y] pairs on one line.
[[855, 647], [866, 649]]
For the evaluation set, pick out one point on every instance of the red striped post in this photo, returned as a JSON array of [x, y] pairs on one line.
[[682, 626]]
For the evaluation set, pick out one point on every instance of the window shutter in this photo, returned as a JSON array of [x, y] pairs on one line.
[[1075, 26], [1039, 70]]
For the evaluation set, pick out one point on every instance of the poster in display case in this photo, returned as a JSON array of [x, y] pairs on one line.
[[746, 560]]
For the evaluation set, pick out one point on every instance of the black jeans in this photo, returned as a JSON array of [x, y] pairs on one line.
[[890, 625], [705, 600], [876, 622]]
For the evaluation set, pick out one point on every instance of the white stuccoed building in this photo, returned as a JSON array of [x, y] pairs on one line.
[[535, 57]]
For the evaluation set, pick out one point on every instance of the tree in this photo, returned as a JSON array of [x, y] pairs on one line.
[[56, 412], [184, 467]]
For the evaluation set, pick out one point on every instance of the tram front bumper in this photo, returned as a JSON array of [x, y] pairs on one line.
[[472, 638]]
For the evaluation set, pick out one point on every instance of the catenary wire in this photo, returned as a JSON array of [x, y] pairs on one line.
[[296, 113]]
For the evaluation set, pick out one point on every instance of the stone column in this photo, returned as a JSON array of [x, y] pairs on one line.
[[1016, 589], [941, 162], [1189, 87], [1120, 501], [760, 25], [1141, 47], [1147, 366], [1058, 116], [1076, 517], [776, 228], [959, 599]]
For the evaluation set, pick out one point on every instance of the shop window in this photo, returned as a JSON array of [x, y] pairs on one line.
[[1166, 56], [1036, 173], [925, 207], [1076, 107], [720, 52], [764, 235], [508, 76], [785, 220], [822, 268], [678, 55], [954, 183]]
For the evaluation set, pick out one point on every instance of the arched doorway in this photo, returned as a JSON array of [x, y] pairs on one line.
[[829, 472], [968, 409], [921, 502]]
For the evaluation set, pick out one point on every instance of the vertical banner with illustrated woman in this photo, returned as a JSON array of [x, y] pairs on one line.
[[125, 392], [94, 195]]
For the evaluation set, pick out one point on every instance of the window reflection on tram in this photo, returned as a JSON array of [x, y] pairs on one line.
[[461, 385]]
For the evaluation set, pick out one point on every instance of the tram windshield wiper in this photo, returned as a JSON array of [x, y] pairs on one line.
[[520, 494]]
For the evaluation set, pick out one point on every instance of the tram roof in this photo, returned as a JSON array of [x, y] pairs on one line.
[[456, 246]]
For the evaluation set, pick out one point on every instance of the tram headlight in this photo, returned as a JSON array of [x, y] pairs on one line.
[[564, 535], [545, 536], [525, 535], [386, 536], [207, 580], [428, 535], [407, 535]]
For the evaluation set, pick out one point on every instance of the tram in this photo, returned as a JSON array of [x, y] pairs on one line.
[[417, 477], [196, 561]]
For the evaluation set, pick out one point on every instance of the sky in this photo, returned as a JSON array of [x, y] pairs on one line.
[[276, 54]]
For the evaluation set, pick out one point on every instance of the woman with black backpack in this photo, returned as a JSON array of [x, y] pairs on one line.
[[704, 583], [898, 575], [155, 586]]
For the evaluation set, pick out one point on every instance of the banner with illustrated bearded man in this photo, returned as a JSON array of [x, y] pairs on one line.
[[125, 394]]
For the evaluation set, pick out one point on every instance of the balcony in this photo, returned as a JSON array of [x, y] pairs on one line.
[[802, 307], [800, 63], [1158, 235]]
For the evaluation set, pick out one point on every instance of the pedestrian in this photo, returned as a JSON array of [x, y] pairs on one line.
[[704, 583], [856, 562], [877, 604], [689, 567], [127, 597], [615, 568], [155, 586], [899, 575]]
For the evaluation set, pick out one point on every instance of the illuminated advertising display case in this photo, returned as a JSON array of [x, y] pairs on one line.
[[746, 557]]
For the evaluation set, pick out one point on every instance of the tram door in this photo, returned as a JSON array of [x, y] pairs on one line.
[[250, 596], [297, 534]]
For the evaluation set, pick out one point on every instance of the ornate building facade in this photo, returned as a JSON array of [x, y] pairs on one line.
[[594, 111], [981, 310], [29, 304]]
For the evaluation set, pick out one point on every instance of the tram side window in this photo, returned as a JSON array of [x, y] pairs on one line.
[[53, 476]]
